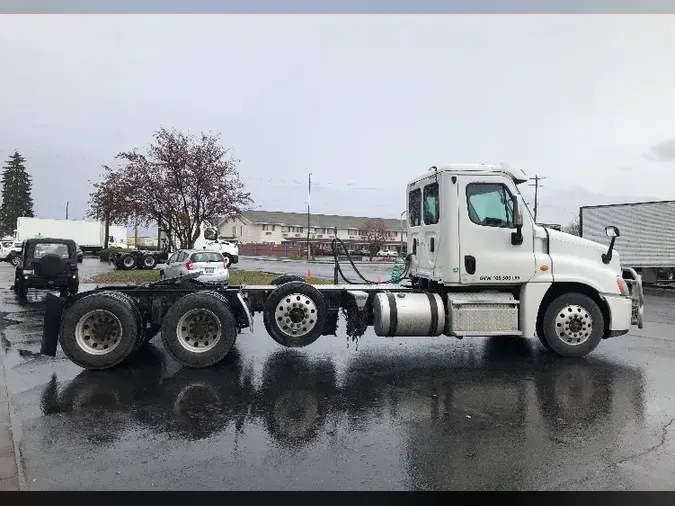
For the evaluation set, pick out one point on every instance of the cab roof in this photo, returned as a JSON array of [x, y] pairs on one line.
[[516, 174]]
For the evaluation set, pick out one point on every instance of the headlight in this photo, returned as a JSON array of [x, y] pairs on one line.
[[623, 286]]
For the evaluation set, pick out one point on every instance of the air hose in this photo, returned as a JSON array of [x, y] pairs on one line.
[[399, 271]]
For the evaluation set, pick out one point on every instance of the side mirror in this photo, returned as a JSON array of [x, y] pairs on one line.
[[517, 213], [612, 232], [517, 236]]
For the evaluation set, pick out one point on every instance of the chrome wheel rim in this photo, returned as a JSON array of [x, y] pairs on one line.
[[573, 325], [198, 330], [98, 332], [129, 261], [149, 261], [296, 315]]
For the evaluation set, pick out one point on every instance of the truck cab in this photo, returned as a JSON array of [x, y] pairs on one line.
[[471, 237]]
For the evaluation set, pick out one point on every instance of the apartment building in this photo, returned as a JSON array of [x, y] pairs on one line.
[[270, 227]]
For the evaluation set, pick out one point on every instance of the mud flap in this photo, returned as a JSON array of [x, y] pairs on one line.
[[52, 322]]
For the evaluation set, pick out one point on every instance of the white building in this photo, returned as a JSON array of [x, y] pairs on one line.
[[270, 227]]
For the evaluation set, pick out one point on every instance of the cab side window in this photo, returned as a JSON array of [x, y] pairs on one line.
[[431, 205], [490, 205], [414, 207]]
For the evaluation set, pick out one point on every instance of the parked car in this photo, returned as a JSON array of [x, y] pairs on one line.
[[47, 264], [11, 252], [212, 266], [387, 253]]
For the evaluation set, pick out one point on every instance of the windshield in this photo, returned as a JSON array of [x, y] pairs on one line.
[[42, 249]]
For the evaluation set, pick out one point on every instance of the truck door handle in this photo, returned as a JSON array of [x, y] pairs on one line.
[[470, 264], [431, 244]]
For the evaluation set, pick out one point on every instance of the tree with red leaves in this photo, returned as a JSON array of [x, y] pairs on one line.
[[375, 231], [180, 183]]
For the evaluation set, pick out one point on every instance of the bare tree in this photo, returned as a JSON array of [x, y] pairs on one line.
[[180, 183], [375, 231], [573, 227]]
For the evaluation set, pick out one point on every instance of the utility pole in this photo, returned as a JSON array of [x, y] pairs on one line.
[[67, 204], [537, 178], [309, 198]]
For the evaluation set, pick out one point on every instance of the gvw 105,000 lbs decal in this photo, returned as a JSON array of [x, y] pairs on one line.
[[499, 278]]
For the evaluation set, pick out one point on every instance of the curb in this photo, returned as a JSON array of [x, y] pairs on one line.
[[9, 471]]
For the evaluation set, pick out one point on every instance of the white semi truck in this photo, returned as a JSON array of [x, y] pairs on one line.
[[647, 242], [88, 235], [478, 265]]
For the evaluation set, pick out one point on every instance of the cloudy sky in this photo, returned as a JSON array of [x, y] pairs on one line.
[[364, 103]]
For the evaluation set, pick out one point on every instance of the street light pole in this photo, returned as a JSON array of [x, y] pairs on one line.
[[309, 198], [67, 204]]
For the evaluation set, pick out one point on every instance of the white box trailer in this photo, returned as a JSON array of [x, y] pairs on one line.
[[647, 240], [89, 235]]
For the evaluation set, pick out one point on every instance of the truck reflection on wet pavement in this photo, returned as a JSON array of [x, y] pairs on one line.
[[473, 421]]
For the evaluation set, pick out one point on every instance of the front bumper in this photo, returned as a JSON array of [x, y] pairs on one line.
[[637, 296], [39, 282]]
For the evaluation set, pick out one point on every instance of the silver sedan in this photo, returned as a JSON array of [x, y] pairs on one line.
[[211, 266]]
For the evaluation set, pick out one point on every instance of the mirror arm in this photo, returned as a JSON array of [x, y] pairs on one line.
[[607, 257]]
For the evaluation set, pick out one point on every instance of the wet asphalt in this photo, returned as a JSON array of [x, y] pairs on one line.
[[403, 414]]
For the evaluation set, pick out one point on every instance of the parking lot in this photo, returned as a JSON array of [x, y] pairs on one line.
[[389, 414]]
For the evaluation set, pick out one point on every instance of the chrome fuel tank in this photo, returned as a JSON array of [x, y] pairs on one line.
[[408, 314]]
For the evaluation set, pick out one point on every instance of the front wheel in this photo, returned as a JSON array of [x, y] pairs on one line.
[[14, 260], [573, 325]]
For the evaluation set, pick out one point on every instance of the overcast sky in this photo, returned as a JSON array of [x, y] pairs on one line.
[[364, 103]]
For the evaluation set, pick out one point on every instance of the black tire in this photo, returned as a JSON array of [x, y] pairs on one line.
[[126, 342], [14, 260], [286, 278], [219, 309], [540, 336], [149, 262], [137, 315], [127, 262], [302, 293], [586, 314], [230, 259], [162, 276], [80, 260]]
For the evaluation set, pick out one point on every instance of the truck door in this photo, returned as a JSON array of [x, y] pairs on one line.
[[486, 218], [424, 216]]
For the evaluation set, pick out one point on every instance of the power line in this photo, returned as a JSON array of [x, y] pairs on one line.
[[536, 185]]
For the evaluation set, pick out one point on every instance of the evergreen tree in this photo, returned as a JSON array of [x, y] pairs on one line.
[[17, 186]]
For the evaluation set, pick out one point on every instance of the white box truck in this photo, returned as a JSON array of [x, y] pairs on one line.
[[89, 235], [647, 239]]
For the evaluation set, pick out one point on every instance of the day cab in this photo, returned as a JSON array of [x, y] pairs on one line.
[[473, 240]]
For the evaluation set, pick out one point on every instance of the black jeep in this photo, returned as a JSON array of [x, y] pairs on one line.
[[47, 264]]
